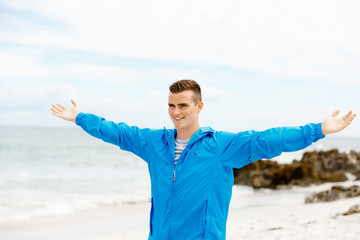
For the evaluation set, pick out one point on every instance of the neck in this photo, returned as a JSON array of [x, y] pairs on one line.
[[187, 133]]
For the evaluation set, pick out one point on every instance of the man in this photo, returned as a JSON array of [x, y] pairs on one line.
[[191, 167]]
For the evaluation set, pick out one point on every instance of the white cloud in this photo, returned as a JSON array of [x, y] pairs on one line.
[[17, 66], [16, 115], [30, 64], [303, 40], [92, 72], [31, 105], [24, 98], [119, 74], [155, 94], [290, 39], [102, 73], [212, 93]]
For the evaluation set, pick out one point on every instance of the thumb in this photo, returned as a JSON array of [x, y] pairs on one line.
[[74, 103], [335, 113]]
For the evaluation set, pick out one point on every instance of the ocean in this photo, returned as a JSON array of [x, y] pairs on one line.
[[50, 171]]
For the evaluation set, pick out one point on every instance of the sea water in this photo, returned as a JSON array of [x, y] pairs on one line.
[[51, 171]]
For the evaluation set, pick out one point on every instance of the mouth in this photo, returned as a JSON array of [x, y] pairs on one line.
[[178, 118]]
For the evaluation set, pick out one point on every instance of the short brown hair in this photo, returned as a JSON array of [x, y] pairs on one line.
[[187, 84]]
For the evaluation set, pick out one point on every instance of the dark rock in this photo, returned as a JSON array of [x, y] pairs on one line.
[[335, 193], [275, 228], [315, 167], [354, 209]]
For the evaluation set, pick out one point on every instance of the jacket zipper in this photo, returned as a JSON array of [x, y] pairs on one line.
[[173, 185], [173, 203], [172, 193]]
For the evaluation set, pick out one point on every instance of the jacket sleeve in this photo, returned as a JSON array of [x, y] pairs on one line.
[[240, 149], [128, 138]]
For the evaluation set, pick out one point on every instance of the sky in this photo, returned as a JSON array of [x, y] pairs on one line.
[[260, 63]]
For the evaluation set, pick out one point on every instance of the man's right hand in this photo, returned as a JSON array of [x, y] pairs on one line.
[[66, 113]]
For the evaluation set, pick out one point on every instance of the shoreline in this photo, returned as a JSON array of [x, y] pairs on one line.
[[130, 221], [106, 222]]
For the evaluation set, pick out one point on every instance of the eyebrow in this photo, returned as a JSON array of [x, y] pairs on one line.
[[180, 104]]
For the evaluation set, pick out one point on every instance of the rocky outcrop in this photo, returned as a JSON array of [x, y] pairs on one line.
[[354, 209], [335, 193], [315, 167]]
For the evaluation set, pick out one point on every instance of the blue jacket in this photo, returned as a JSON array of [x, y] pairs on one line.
[[190, 200]]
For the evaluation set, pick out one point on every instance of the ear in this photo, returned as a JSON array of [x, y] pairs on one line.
[[200, 106]]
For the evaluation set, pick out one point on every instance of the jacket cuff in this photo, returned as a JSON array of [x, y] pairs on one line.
[[319, 132], [79, 119]]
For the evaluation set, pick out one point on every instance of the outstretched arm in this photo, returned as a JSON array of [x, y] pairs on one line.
[[66, 113], [246, 147], [333, 125], [128, 138]]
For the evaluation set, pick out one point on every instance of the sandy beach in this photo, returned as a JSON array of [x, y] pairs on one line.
[[130, 222], [92, 191], [295, 221]]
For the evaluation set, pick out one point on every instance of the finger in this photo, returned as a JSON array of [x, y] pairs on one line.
[[335, 113], [55, 111], [57, 108], [57, 114], [61, 106], [346, 124], [74, 103], [349, 119], [347, 115]]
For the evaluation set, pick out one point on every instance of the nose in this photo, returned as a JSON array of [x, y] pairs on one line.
[[176, 111]]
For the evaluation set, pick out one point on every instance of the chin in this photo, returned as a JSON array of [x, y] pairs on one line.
[[178, 126]]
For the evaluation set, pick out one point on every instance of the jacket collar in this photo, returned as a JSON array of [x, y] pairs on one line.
[[202, 132]]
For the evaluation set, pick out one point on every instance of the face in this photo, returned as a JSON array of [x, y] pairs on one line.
[[183, 111]]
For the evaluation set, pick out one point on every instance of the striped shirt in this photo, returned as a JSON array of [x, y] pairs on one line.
[[180, 145]]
